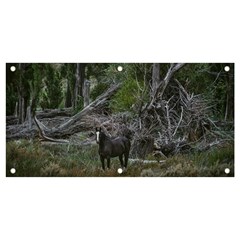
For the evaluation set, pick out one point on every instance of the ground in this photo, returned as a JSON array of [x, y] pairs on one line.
[[32, 158]]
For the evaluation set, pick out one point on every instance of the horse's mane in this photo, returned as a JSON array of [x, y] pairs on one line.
[[110, 138], [106, 136]]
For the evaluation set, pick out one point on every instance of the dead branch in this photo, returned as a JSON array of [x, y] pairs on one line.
[[84, 120], [144, 161], [160, 88], [51, 113], [180, 120], [42, 134]]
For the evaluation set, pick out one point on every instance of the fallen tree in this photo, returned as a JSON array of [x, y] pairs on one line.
[[51, 113], [84, 120], [174, 120]]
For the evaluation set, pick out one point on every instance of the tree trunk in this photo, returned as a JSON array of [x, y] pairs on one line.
[[229, 111], [86, 93], [68, 101], [21, 110], [16, 110], [161, 86], [29, 116], [155, 78], [79, 84], [20, 96]]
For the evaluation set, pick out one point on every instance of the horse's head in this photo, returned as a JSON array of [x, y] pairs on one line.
[[98, 131]]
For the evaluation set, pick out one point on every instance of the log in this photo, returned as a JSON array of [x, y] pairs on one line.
[[145, 161], [43, 136], [84, 120], [51, 113], [11, 120]]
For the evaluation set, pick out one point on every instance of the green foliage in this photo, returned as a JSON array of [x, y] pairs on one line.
[[25, 82], [11, 99], [11, 90], [126, 98], [98, 89], [36, 84], [80, 105], [68, 73], [51, 85], [52, 94], [209, 80], [112, 75], [96, 70], [138, 71]]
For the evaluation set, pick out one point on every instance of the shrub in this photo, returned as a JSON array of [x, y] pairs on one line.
[[30, 158], [99, 88], [127, 97], [79, 106]]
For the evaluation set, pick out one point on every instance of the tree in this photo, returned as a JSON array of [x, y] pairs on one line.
[[24, 72], [155, 78], [52, 95], [79, 84], [160, 86], [68, 73], [156, 112], [36, 85], [11, 90]]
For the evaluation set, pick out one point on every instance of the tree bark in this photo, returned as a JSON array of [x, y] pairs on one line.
[[16, 110], [229, 110], [77, 86], [68, 101], [79, 83], [155, 78], [20, 96], [29, 116], [86, 93], [23, 97]]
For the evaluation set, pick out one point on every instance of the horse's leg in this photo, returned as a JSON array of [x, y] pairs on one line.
[[126, 155], [121, 160], [102, 161], [108, 162], [127, 150]]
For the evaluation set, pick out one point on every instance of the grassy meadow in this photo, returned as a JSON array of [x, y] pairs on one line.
[[34, 159]]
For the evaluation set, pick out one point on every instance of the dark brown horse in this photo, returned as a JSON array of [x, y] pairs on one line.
[[112, 147]]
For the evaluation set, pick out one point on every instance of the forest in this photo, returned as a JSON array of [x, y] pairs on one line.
[[179, 118]]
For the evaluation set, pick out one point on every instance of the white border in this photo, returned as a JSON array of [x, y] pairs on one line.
[[119, 31]]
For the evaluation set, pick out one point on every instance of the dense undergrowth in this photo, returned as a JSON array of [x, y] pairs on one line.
[[31, 158]]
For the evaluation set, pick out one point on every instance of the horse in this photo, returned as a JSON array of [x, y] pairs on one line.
[[112, 147]]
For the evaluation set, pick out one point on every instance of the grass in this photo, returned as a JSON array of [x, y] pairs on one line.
[[31, 158]]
